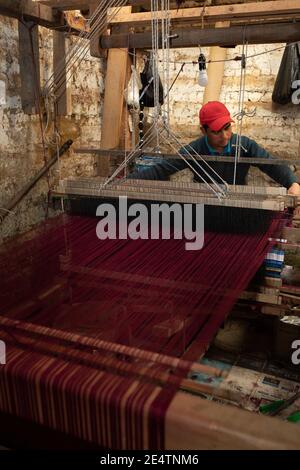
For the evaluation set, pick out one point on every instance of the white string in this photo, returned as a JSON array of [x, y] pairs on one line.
[[196, 162], [241, 111], [167, 78], [52, 89], [80, 49], [235, 59], [219, 191], [161, 38], [72, 51], [130, 157]]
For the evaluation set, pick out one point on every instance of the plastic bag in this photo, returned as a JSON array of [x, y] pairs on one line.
[[289, 72], [147, 91], [132, 92]]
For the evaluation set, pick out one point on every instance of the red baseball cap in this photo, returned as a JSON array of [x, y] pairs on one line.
[[215, 115]]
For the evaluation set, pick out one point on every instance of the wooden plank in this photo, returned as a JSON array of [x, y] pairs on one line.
[[113, 105], [291, 234], [29, 67], [59, 67], [272, 282], [191, 37], [31, 11], [212, 158], [290, 290], [242, 191], [275, 310], [139, 191], [247, 11], [65, 5], [113, 112], [259, 297], [215, 69], [95, 50], [194, 423]]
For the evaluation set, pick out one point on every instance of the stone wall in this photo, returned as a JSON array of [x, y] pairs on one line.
[[21, 149], [274, 127]]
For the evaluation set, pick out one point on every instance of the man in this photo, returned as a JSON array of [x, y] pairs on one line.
[[218, 139]]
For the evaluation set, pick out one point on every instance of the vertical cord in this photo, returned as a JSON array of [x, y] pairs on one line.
[[126, 114], [38, 105], [168, 23], [57, 144], [154, 63], [240, 113]]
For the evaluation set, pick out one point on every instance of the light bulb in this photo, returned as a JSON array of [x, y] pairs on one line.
[[203, 79]]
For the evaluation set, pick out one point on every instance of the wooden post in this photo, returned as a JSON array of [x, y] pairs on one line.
[[31, 11], [59, 66], [29, 66], [113, 107], [215, 70], [95, 49], [126, 136]]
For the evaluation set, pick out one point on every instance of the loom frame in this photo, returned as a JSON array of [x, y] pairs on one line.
[[191, 421]]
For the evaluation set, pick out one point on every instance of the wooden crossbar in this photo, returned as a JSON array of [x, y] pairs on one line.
[[239, 196]]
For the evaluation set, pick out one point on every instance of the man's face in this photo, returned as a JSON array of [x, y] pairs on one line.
[[219, 139]]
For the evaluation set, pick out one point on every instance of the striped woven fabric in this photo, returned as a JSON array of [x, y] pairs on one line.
[[92, 328], [64, 394]]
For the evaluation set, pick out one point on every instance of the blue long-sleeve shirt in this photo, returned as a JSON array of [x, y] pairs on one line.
[[162, 169]]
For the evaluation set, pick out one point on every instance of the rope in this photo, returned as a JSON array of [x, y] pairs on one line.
[[234, 59], [241, 113], [38, 105], [161, 38]]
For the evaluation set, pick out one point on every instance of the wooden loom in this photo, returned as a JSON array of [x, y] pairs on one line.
[[191, 422], [247, 197]]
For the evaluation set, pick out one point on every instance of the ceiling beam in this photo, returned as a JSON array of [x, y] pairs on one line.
[[248, 11], [31, 11], [253, 34], [65, 5]]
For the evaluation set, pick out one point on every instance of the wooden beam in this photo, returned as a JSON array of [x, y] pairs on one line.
[[31, 11], [211, 158], [95, 50], [259, 297], [215, 69], [215, 13], [65, 5], [29, 67], [194, 423], [113, 107], [59, 68], [150, 190], [253, 34], [291, 234]]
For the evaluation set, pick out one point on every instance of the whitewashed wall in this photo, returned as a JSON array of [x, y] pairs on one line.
[[21, 154]]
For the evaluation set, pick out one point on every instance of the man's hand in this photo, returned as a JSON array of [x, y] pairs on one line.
[[294, 190]]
